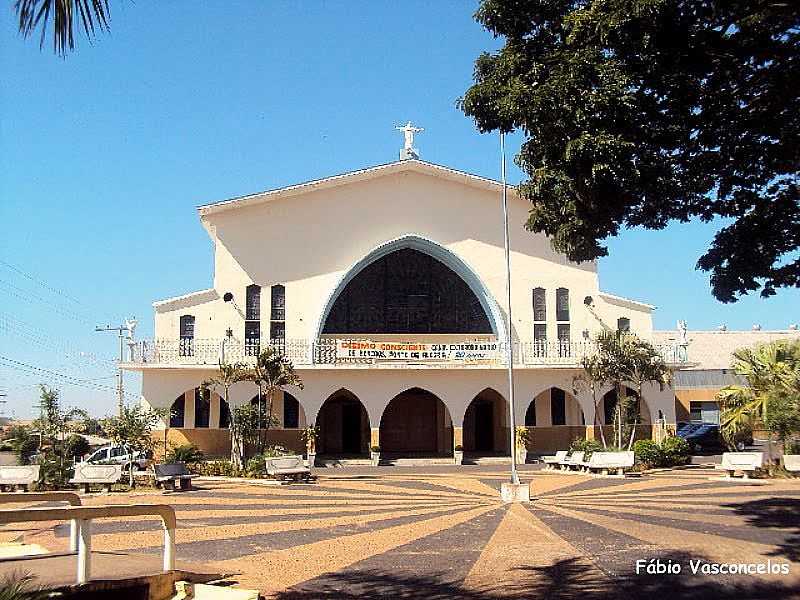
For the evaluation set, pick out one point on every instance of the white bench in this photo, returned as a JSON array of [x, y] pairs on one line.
[[745, 462], [791, 462], [610, 461], [168, 474], [282, 467], [551, 461], [575, 460], [21, 476], [87, 474]]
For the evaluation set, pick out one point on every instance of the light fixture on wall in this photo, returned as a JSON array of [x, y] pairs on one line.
[[588, 301], [228, 297]]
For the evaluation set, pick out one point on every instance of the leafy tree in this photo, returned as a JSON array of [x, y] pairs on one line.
[[133, 429], [639, 112], [23, 442], [63, 14], [52, 425], [76, 446], [271, 373], [227, 376]]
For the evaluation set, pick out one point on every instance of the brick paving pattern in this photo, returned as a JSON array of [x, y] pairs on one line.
[[441, 532]]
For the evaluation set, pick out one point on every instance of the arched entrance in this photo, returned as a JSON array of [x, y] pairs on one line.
[[486, 424], [416, 423], [343, 426], [554, 407]]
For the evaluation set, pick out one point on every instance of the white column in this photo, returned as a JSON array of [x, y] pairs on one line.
[[169, 549]]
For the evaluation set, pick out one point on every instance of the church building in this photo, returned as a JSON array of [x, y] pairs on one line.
[[386, 288]]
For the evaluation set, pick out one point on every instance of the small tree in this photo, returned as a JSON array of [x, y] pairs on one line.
[[594, 377], [133, 429], [228, 375], [52, 425], [271, 373], [244, 426], [76, 446]]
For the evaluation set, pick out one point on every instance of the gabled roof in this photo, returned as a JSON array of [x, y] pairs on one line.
[[399, 166]]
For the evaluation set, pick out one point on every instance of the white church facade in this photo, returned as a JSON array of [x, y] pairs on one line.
[[386, 288]]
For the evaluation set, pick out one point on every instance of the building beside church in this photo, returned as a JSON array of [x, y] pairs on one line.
[[385, 287]]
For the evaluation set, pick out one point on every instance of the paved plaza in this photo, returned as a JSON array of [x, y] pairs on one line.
[[441, 532]]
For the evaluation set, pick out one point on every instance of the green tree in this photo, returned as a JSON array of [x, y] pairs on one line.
[[76, 446], [640, 112], [133, 429], [52, 425], [64, 16], [771, 381], [271, 373], [227, 376], [23, 441]]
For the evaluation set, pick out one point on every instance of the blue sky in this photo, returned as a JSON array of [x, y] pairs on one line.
[[104, 156]]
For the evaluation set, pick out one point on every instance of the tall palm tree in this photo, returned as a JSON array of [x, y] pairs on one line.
[[227, 376], [63, 14], [271, 373]]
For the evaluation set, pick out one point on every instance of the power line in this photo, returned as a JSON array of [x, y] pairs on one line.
[[87, 383]]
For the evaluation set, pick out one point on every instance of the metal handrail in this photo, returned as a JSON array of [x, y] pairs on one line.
[[84, 515], [71, 497]]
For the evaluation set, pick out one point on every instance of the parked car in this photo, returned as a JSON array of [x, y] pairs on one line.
[[701, 436], [119, 455]]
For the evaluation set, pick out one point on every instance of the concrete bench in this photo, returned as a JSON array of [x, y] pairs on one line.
[[791, 462], [551, 461], [573, 461], [88, 474], [282, 467], [745, 462], [168, 474], [610, 461], [18, 476]]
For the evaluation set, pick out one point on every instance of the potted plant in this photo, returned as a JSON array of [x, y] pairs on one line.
[[375, 455], [521, 447], [309, 436], [458, 454]]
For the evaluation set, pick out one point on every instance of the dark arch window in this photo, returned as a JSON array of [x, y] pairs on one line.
[[530, 414], [291, 411], [202, 407], [262, 409], [407, 291], [224, 414], [177, 411], [623, 325], [277, 323], [558, 406]]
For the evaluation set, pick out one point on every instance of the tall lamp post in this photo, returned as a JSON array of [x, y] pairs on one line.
[[513, 491]]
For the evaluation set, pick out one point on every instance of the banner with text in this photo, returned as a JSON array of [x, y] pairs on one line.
[[412, 351]]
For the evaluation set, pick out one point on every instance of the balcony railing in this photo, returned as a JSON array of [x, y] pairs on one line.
[[303, 352]]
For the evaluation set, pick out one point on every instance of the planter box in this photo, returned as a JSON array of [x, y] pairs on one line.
[[312, 459], [375, 457], [458, 457]]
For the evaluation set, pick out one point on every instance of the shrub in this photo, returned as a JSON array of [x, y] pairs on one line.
[[187, 453], [648, 453], [256, 466], [76, 446], [676, 451], [792, 446], [586, 446], [216, 468]]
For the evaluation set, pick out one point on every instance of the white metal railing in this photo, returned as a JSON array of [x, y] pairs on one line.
[[83, 516], [326, 351], [70, 498]]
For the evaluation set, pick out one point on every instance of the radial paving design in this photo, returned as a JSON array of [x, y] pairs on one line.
[[442, 533]]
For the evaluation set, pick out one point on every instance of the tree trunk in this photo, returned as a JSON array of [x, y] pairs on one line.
[[595, 421]]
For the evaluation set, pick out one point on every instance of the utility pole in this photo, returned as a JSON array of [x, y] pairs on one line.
[[128, 327]]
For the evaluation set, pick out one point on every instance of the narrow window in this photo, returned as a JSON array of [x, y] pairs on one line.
[[202, 407], [186, 347], [539, 305], [291, 411], [623, 325], [558, 406], [177, 411], [277, 323], [563, 339], [562, 304], [252, 323], [253, 303]]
